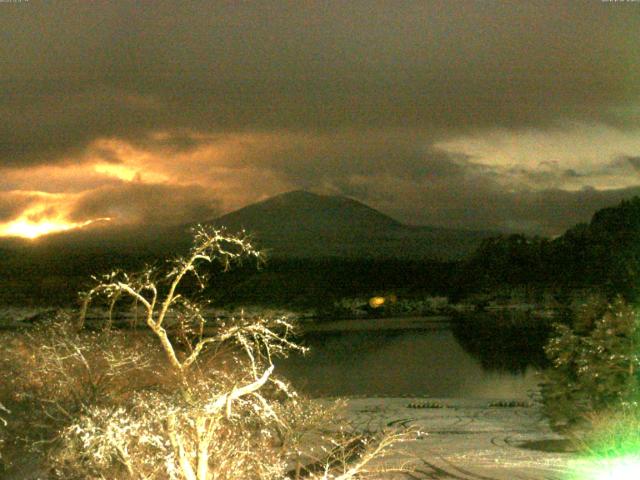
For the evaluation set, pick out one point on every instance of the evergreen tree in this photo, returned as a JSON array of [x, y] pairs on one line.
[[595, 365]]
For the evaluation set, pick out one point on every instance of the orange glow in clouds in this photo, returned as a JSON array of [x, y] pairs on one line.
[[31, 224], [26, 228], [29, 229], [120, 172]]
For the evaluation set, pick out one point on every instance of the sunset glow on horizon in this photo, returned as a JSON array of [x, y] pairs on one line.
[[30, 229]]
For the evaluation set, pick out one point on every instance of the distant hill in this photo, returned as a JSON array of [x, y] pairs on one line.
[[302, 224], [605, 254]]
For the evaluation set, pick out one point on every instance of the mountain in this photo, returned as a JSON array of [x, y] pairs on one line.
[[297, 224], [300, 211], [302, 224]]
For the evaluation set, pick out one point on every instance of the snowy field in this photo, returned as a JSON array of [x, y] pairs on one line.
[[466, 439]]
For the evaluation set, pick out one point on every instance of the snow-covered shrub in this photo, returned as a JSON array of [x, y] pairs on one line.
[[595, 365], [51, 373]]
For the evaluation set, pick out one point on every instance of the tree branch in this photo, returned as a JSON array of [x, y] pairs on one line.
[[226, 399]]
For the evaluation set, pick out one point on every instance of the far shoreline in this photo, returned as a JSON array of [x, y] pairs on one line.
[[377, 324]]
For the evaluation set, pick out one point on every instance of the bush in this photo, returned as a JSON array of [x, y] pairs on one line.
[[52, 373], [595, 366], [613, 434]]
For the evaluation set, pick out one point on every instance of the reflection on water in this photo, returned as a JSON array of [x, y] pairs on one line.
[[430, 362], [503, 344]]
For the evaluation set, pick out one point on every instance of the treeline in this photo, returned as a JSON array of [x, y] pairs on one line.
[[30, 277], [39, 276], [603, 255], [319, 282]]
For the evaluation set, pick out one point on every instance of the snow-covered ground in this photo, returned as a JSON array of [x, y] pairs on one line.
[[467, 439]]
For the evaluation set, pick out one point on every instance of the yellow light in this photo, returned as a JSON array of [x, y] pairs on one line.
[[376, 302], [26, 228]]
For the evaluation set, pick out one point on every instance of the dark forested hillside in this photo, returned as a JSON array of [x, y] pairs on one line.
[[604, 253]]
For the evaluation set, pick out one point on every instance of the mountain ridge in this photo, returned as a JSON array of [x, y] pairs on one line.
[[303, 224], [298, 208]]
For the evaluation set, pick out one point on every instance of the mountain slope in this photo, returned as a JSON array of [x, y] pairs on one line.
[[302, 224], [304, 211]]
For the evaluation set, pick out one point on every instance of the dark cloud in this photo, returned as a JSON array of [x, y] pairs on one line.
[[621, 163], [55, 125], [551, 212], [75, 71], [634, 162], [310, 161], [546, 212], [475, 196], [571, 173], [108, 156], [135, 203], [547, 174], [343, 97]]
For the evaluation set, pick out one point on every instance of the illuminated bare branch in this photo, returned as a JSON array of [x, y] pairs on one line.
[[221, 413]]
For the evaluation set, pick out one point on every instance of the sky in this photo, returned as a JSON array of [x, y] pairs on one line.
[[510, 115]]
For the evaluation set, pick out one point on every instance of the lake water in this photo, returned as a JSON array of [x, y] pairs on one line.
[[436, 359]]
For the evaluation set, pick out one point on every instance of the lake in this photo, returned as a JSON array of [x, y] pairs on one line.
[[420, 357]]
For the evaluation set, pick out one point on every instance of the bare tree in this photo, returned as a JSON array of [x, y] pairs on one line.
[[228, 418], [145, 288]]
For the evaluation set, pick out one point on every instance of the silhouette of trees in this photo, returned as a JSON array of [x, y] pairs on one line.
[[604, 254]]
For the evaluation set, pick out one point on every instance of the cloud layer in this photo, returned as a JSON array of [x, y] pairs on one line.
[[493, 115]]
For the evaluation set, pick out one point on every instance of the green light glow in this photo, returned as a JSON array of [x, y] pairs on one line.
[[625, 468]]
